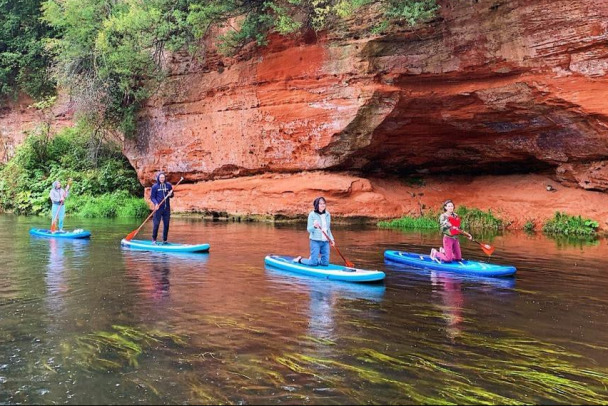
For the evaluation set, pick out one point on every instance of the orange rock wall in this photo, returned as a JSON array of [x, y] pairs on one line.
[[18, 119], [490, 86]]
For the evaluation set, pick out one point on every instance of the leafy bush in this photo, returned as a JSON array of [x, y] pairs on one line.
[[529, 226], [428, 221], [562, 223], [478, 219], [109, 205], [412, 11], [100, 174]]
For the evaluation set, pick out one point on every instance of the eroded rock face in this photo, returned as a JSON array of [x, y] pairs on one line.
[[490, 86], [18, 118]]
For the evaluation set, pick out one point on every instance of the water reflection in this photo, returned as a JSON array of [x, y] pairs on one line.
[[450, 288], [64, 256], [324, 297], [450, 291], [95, 323], [152, 270]]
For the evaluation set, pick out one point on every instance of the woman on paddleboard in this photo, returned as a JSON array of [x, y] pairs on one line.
[[449, 222], [57, 196], [319, 234]]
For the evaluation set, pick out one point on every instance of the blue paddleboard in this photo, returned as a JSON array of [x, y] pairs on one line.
[[147, 245], [461, 267], [40, 232], [331, 272]]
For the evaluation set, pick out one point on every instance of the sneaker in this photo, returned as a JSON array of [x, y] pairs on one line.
[[154, 242], [165, 243], [442, 250], [433, 253], [297, 259]]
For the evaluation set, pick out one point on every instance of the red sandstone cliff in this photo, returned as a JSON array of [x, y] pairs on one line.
[[18, 118], [489, 87]]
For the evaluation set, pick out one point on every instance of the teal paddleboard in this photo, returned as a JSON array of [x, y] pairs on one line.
[[79, 233], [147, 245], [331, 272]]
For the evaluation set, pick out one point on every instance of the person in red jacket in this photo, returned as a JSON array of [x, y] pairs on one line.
[[450, 227]]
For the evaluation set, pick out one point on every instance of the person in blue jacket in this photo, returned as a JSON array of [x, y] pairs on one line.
[[161, 190], [319, 229]]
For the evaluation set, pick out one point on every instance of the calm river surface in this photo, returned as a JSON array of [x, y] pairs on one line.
[[89, 322]]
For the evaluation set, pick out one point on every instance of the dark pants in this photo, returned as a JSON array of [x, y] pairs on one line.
[[164, 214]]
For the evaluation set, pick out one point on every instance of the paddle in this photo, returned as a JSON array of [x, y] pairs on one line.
[[54, 222], [133, 233], [347, 262], [487, 248]]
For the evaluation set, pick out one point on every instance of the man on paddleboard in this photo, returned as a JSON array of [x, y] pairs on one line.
[[160, 190]]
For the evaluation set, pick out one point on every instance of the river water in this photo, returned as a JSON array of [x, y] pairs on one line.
[[89, 322]]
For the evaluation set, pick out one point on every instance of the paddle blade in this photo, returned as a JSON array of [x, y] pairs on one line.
[[487, 248], [349, 264], [131, 235], [53, 226]]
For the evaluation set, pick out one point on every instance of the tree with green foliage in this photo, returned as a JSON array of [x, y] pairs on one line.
[[24, 62]]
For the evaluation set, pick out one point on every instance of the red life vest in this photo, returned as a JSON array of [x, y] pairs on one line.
[[454, 222]]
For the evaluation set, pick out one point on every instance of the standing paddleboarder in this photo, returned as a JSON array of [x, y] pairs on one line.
[[57, 196], [160, 190]]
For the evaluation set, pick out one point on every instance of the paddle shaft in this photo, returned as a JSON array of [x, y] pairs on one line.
[[487, 248], [347, 262], [134, 233]]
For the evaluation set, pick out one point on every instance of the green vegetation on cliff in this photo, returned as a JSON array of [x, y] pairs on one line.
[[104, 184], [111, 54]]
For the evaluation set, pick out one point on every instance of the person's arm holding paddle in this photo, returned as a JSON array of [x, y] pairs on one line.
[[67, 191], [454, 230], [327, 232]]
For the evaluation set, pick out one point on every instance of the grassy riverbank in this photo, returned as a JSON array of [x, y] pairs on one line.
[[479, 220], [472, 218]]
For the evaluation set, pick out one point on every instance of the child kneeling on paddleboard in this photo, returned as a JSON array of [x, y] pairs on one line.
[[449, 222], [320, 235]]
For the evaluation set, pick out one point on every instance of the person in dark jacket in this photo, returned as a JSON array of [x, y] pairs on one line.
[[162, 192]]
